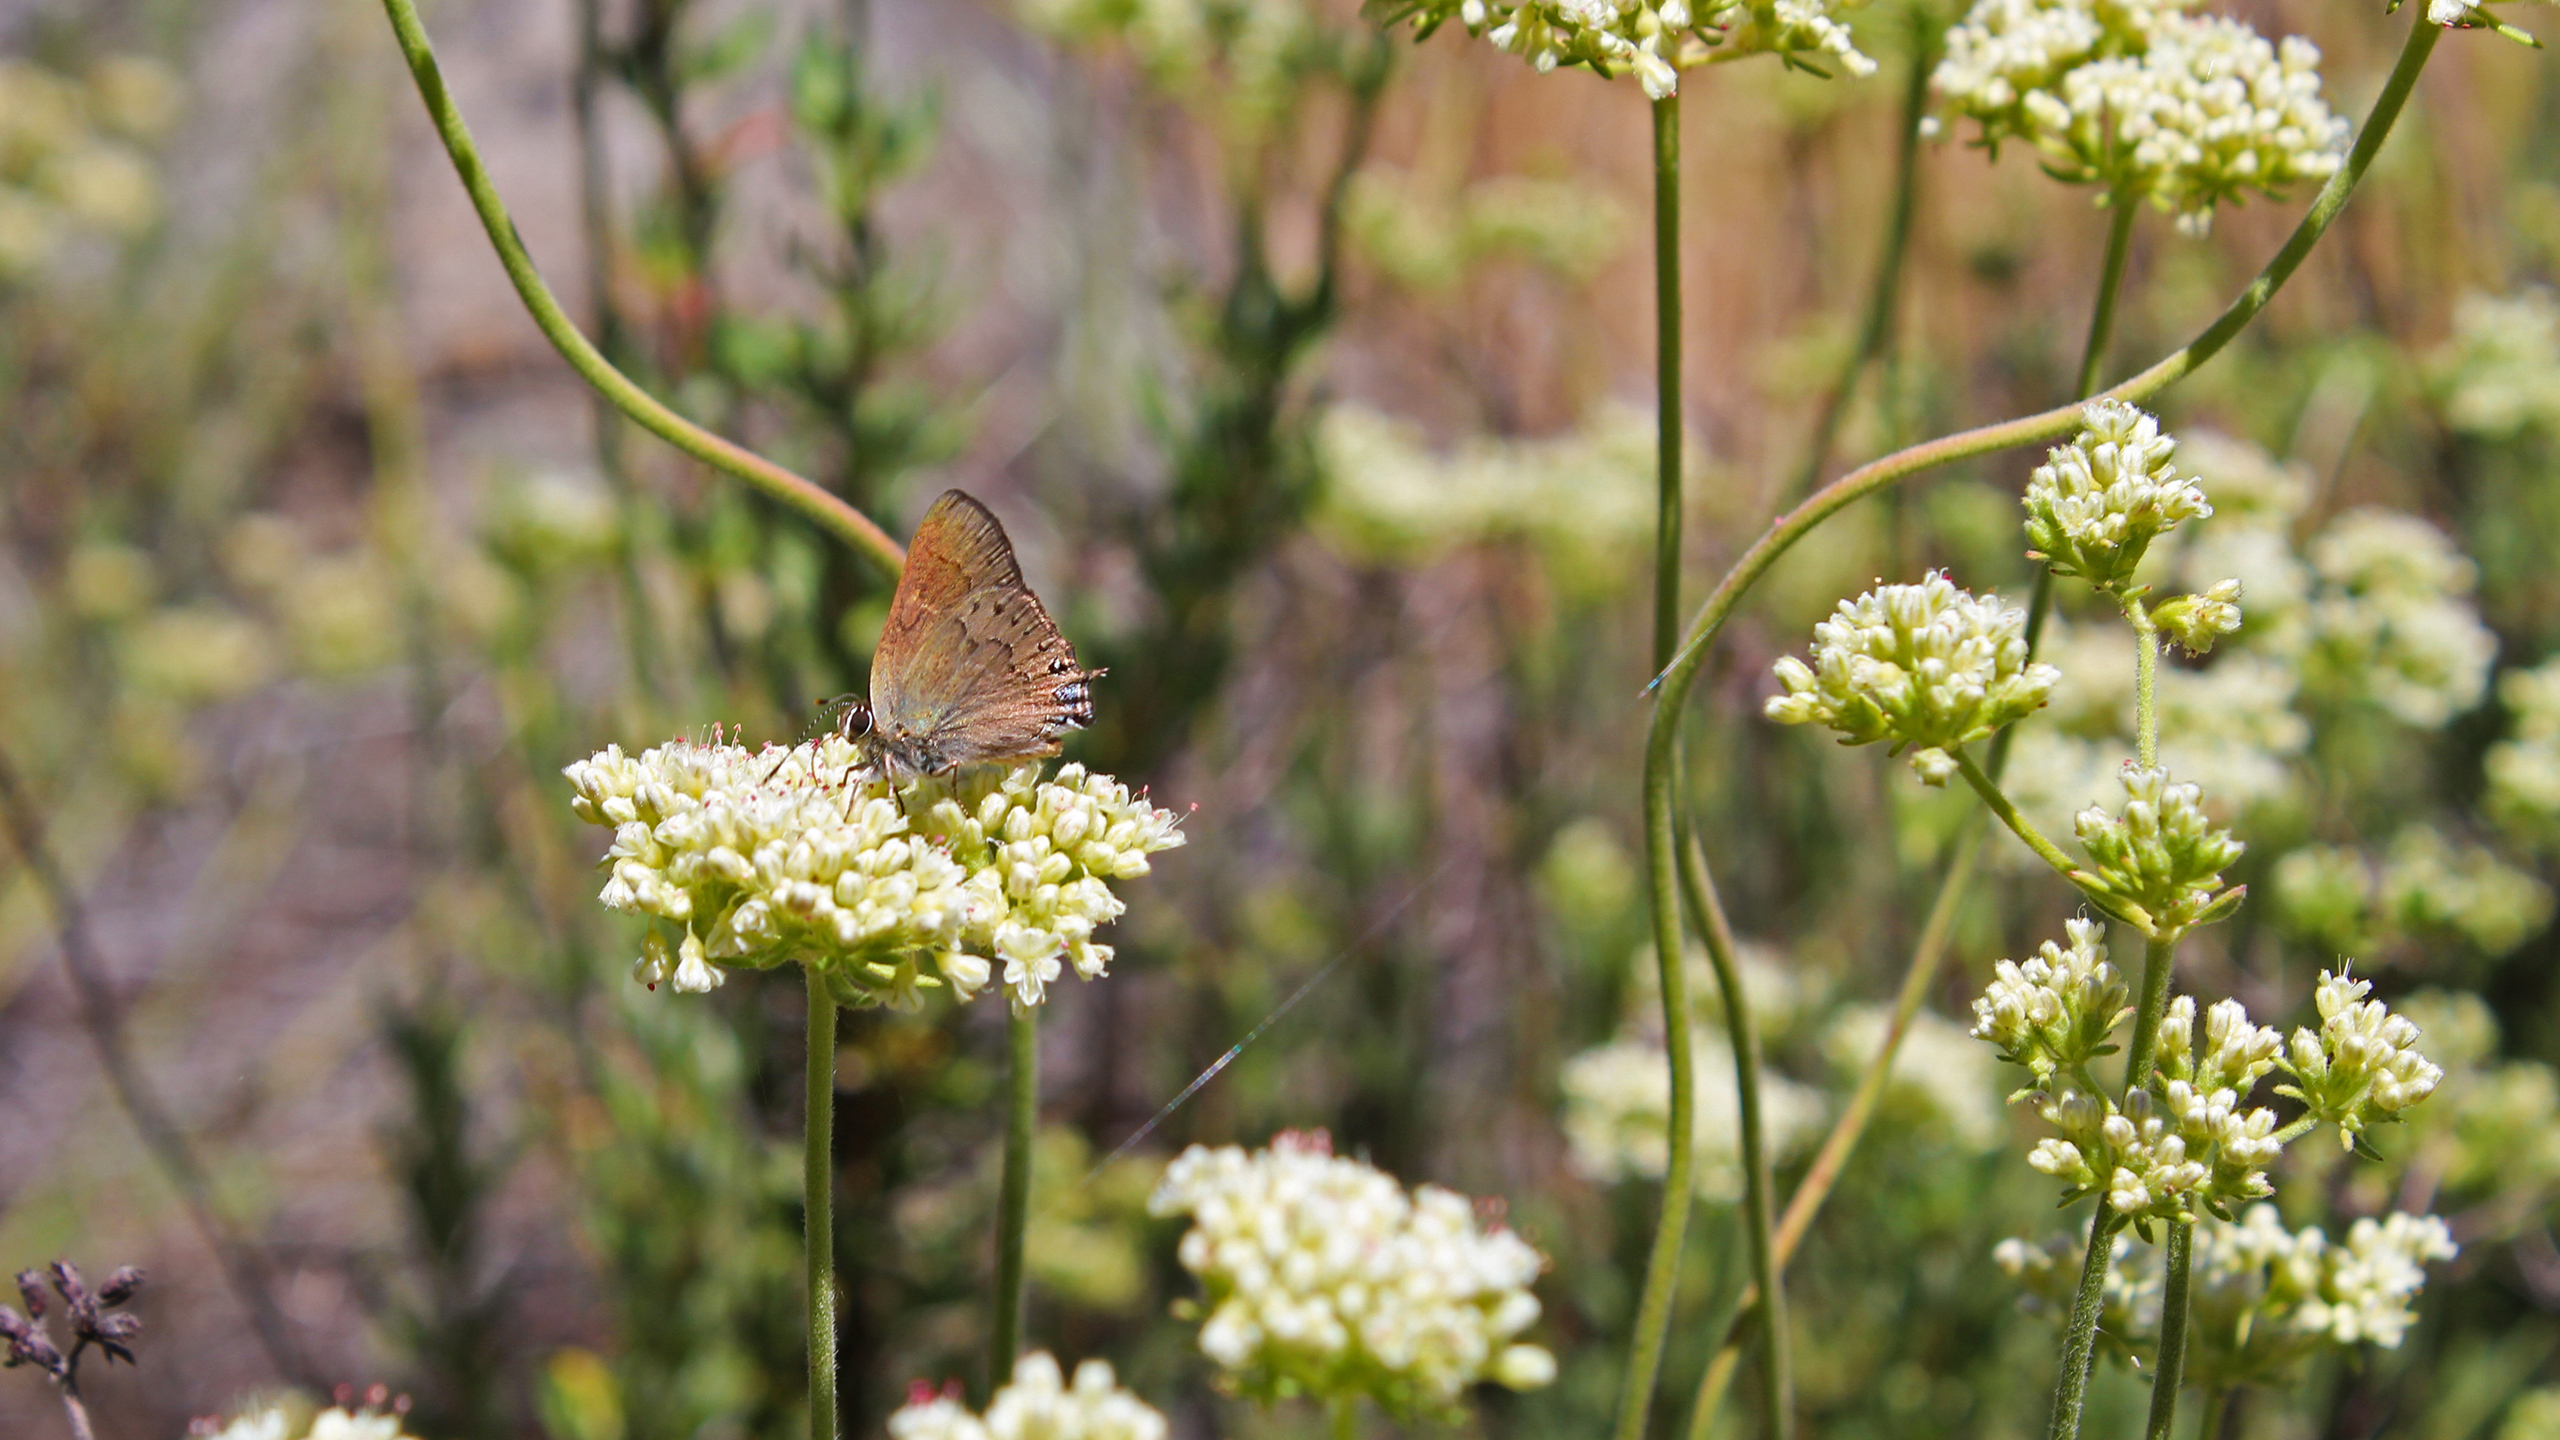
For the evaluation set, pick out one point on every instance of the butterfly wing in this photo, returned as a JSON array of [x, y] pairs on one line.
[[970, 667]]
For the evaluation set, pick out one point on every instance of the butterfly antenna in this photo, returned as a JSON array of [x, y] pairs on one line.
[[1307, 987]]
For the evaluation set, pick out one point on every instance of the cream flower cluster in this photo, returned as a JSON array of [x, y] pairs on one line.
[[758, 857], [2393, 619], [1653, 39], [1038, 1404], [2524, 768], [285, 1420], [2096, 504], [1617, 1113], [1927, 666], [2054, 1013], [2151, 102], [1325, 1277], [2166, 1157], [2362, 1066], [2498, 376], [2264, 1297], [2158, 861]]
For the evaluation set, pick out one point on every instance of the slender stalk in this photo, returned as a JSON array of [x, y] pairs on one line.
[[1021, 1117], [1984, 786], [2173, 1334], [1674, 680], [800, 493], [1666, 377], [77, 1411], [1346, 1417], [2146, 684], [1884, 292], [2079, 1338], [817, 1180], [1662, 1267], [1766, 1278], [244, 1264], [2102, 318]]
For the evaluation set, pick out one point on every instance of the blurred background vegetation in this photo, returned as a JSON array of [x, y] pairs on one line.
[[1309, 370]]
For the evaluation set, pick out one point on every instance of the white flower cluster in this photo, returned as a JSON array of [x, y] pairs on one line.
[[2362, 1066], [1926, 666], [1617, 1116], [2054, 1013], [2524, 768], [1584, 499], [2158, 861], [2263, 1297], [1326, 1278], [1654, 39], [2168, 1156], [2151, 102], [1039, 1404], [2393, 618], [2499, 374], [286, 1419], [774, 855], [2096, 504]]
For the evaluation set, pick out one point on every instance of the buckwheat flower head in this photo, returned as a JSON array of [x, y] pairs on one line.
[[2210, 109], [2362, 1066], [2524, 768], [1653, 39], [2003, 51], [2499, 375], [1325, 1277], [2196, 621], [1038, 1404], [1617, 1115], [2393, 621], [2055, 1012], [2138, 1154], [2364, 1295], [2232, 1055], [288, 1418], [2096, 504], [1926, 666], [757, 858], [2159, 860]]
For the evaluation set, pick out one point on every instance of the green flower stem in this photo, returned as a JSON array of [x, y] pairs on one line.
[[1013, 1219], [817, 1179], [1346, 1417], [2172, 1364], [2146, 684], [1776, 1381], [2102, 318], [1884, 293], [1674, 680], [2302, 1125], [1662, 1266], [1989, 789], [1666, 379], [800, 493], [2079, 1339]]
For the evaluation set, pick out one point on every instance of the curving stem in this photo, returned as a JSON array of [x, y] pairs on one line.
[[797, 491]]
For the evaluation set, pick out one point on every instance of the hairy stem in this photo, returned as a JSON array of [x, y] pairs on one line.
[[2079, 1338], [244, 1265], [2102, 317], [2146, 684], [818, 1194], [76, 1411], [1775, 1378], [1662, 1267], [1884, 292], [800, 493], [1013, 1217], [2173, 1333]]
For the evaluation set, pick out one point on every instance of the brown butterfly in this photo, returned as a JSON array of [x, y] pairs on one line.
[[970, 668]]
